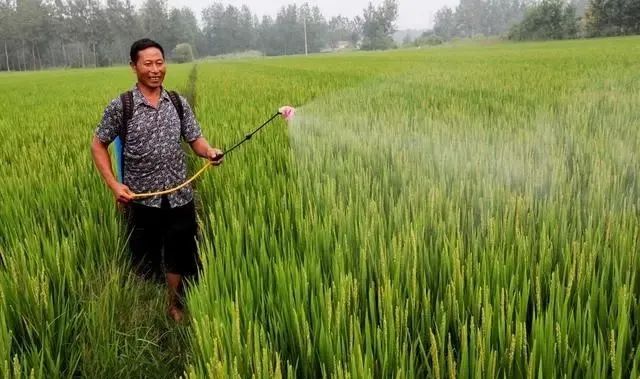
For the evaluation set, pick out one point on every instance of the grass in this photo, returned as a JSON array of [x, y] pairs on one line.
[[460, 212], [72, 308]]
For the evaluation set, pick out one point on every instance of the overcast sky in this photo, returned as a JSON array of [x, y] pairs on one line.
[[415, 14]]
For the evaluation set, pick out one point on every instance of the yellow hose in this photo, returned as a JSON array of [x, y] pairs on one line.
[[150, 194], [288, 113]]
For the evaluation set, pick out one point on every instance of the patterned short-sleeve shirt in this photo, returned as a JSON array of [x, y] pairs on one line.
[[153, 157]]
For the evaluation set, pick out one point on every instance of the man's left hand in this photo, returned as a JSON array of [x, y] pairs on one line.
[[215, 156]]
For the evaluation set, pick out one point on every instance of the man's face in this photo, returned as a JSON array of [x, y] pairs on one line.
[[150, 67]]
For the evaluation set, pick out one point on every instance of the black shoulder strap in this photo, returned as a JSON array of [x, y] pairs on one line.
[[175, 99], [127, 110], [127, 113]]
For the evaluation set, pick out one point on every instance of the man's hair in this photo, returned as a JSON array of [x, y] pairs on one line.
[[142, 44]]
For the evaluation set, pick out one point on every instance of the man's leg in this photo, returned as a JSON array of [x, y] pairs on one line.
[[181, 255], [175, 308], [145, 242]]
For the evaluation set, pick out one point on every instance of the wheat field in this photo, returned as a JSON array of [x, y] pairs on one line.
[[455, 212]]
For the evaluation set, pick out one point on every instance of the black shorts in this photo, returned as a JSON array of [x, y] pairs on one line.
[[169, 233]]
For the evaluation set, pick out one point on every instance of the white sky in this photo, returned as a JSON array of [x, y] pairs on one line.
[[412, 14]]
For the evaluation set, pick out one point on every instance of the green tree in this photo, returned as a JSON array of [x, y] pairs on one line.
[[612, 17], [247, 34], [182, 53], [123, 26], [445, 23], [316, 27], [550, 19], [8, 33], [154, 20], [379, 25], [339, 29]]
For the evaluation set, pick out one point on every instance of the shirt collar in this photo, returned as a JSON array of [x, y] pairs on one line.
[[139, 99]]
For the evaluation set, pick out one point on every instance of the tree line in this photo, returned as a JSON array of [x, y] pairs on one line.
[[536, 19], [38, 34]]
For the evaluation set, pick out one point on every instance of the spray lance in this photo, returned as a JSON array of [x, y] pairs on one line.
[[287, 112]]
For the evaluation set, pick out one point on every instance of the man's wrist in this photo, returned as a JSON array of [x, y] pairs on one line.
[[203, 147], [113, 183]]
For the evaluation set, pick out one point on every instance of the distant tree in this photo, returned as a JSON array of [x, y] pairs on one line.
[[468, 17], [339, 29], [612, 17], [428, 38], [8, 31], [357, 25], [316, 26], [182, 53], [267, 41], [247, 33], [379, 25], [154, 19], [36, 34], [480, 17], [289, 32], [123, 27], [581, 6], [212, 20], [183, 27], [550, 19], [445, 23]]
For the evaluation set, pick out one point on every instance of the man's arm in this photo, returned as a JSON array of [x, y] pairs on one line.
[[102, 160], [105, 133], [201, 147]]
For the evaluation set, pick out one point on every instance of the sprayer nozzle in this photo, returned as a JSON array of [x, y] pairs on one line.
[[287, 112]]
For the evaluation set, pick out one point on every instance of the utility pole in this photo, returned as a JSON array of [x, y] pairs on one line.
[[306, 52]]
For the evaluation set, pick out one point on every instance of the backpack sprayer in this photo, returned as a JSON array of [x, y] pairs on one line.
[[287, 112]]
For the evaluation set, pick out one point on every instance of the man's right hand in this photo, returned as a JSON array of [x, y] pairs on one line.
[[122, 193]]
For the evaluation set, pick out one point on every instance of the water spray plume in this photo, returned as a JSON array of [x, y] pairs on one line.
[[287, 112]]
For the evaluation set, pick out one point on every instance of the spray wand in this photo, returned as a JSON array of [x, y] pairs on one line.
[[287, 113], [248, 136]]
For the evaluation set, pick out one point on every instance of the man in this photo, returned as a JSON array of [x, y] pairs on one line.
[[154, 161]]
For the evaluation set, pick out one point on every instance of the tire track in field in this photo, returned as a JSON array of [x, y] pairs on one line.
[[179, 343], [189, 92]]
